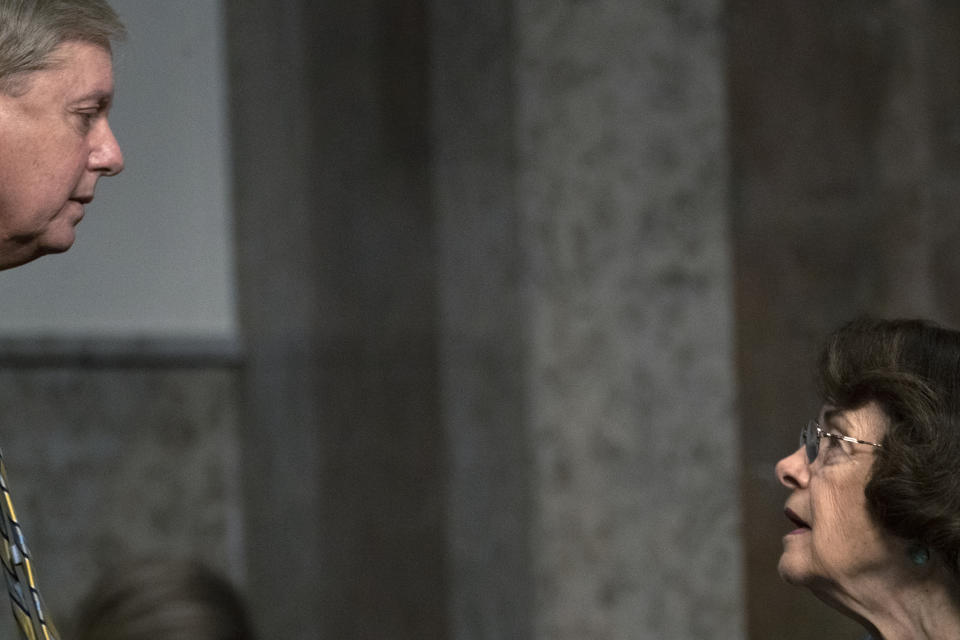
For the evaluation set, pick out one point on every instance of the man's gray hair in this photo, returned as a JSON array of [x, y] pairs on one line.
[[30, 30]]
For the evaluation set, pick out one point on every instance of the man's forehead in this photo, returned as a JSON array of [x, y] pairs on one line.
[[78, 69], [68, 50]]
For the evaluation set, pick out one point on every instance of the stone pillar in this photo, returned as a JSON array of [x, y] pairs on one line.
[[580, 171], [623, 192]]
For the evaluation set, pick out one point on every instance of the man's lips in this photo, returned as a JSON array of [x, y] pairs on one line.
[[797, 520]]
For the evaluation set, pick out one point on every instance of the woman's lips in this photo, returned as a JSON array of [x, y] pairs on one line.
[[797, 520]]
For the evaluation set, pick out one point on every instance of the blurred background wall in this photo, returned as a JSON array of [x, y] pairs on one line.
[[505, 310], [485, 290]]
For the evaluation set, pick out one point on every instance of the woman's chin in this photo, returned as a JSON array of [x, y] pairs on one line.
[[790, 572]]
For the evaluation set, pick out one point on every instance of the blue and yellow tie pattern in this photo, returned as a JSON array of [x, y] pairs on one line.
[[28, 607]]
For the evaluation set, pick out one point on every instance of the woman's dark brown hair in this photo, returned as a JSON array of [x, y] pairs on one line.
[[911, 369]]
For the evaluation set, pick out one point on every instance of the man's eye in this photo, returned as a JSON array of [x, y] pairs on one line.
[[87, 118]]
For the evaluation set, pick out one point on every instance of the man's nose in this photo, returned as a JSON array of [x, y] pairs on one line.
[[106, 156]]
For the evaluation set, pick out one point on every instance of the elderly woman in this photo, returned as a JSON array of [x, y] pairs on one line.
[[875, 484]]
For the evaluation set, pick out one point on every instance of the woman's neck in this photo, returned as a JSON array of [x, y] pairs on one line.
[[925, 607]]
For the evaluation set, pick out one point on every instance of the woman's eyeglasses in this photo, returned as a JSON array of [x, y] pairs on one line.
[[810, 439]]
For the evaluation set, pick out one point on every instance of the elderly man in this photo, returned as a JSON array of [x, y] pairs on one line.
[[56, 88]]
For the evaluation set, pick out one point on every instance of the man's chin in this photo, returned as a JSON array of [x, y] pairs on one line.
[[57, 242], [19, 253], [58, 248]]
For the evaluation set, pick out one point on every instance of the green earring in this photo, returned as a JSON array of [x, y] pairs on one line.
[[919, 555]]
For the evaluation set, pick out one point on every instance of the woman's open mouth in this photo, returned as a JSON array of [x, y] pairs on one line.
[[802, 526]]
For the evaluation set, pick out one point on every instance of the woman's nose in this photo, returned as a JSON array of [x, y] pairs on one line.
[[793, 471]]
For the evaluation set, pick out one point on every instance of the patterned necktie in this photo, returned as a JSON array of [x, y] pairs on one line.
[[28, 607]]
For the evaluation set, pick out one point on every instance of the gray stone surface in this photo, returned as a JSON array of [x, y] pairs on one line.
[[580, 175], [110, 462], [623, 197]]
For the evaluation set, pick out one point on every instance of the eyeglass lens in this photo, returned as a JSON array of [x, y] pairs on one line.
[[810, 436]]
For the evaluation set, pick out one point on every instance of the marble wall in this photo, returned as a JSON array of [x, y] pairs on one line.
[[120, 456], [623, 167], [581, 180]]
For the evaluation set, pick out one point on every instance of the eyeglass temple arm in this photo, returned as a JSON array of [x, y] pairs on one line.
[[826, 434]]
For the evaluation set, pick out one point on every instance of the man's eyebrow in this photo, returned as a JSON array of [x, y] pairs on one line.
[[101, 97]]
